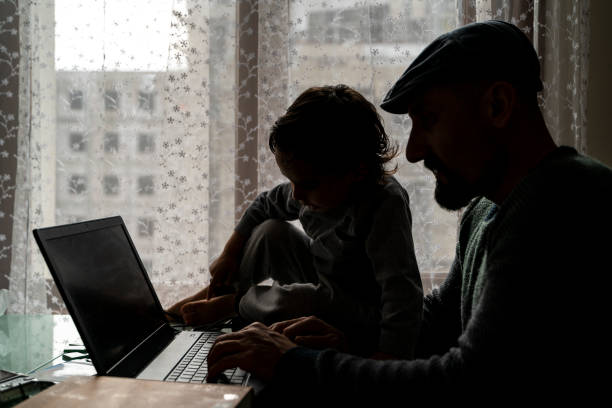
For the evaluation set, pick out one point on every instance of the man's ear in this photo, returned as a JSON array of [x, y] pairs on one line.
[[500, 102]]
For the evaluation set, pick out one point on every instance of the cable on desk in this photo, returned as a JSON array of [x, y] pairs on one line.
[[44, 364]]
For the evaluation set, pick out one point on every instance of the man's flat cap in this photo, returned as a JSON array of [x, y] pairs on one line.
[[490, 50]]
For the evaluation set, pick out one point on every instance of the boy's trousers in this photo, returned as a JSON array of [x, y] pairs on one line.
[[280, 251]]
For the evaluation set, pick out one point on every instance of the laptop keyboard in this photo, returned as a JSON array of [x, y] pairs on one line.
[[193, 368]]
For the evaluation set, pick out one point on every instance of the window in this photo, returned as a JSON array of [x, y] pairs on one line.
[[77, 184], [146, 102], [76, 100], [146, 143], [110, 184], [146, 227], [194, 159], [111, 142], [77, 142], [111, 100], [145, 185]]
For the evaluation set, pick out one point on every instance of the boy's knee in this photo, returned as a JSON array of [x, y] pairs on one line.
[[273, 230], [271, 304], [273, 235]]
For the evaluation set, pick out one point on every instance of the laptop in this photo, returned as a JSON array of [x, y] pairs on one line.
[[115, 309]]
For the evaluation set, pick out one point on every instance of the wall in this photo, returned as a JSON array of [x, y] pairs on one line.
[[599, 103]]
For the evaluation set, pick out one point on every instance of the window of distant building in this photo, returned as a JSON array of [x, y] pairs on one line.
[[111, 100], [111, 142], [77, 142], [146, 143], [146, 101], [146, 227], [110, 184], [76, 100], [77, 184], [148, 264], [359, 24], [145, 185]]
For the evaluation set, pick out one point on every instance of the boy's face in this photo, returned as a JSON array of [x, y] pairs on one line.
[[312, 187]]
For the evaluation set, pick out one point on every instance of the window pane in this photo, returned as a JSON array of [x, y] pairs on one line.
[[77, 184], [145, 185], [146, 143], [111, 142], [76, 100], [111, 184], [146, 227], [146, 101], [77, 142]]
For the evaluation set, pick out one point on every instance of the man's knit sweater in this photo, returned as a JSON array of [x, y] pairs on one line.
[[523, 312]]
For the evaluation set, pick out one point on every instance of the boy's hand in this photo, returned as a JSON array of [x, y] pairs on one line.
[[226, 266], [312, 332], [222, 271], [255, 349]]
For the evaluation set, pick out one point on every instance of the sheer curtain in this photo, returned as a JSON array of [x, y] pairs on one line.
[[159, 111], [560, 32]]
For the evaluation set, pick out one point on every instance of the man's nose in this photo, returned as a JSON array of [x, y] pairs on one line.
[[415, 149]]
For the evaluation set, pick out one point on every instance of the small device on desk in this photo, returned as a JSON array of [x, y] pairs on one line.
[[15, 388]]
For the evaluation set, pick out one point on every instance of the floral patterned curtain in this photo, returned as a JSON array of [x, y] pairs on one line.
[[159, 111]]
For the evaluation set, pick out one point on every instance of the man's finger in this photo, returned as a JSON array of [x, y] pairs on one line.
[[225, 363], [235, 341], [307, 326], [224, 347], [279, 327]]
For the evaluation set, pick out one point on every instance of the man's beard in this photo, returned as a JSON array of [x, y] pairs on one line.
[[456, 193]]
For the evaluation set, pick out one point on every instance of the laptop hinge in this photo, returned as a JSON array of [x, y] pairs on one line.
[[137, 358]]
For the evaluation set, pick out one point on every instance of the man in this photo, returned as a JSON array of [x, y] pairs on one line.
[[511, 323]]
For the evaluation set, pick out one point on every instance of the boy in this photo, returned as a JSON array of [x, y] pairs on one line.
[[354, 264]]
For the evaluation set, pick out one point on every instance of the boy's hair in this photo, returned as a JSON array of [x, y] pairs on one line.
[[337, 129]]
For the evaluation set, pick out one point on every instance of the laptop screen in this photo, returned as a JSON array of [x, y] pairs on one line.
[[106, 287]]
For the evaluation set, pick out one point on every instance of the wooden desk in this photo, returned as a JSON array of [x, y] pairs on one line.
[[114, 392]]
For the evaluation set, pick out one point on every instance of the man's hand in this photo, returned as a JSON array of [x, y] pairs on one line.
[[256, 349], [311, 332]]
